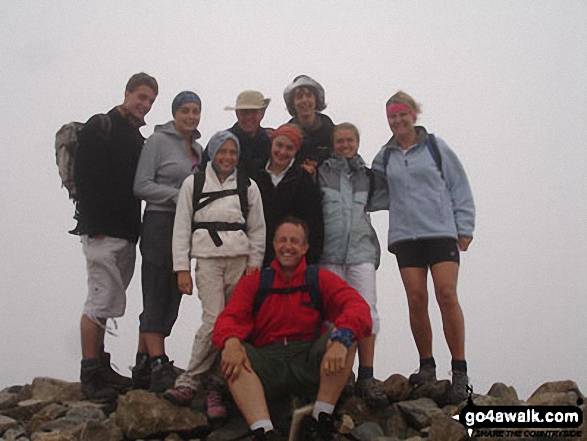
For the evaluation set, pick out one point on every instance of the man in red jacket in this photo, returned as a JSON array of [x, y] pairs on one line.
[[272, 353]]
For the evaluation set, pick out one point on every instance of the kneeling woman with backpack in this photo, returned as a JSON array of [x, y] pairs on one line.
[[219, 222]]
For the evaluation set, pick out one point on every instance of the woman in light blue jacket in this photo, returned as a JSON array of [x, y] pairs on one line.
[[431, 219], [351, 249], [168, 157]]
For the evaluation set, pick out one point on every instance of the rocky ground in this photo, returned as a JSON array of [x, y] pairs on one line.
[[54, 410]]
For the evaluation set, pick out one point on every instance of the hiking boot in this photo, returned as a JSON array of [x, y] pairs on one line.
[[261, 435], [113, 379], [94, 385], [349, 387], [141, 372], [180, 396], [457, 392], [426, 374], [370, 390], [215, 407], [163, 376], [321, 430]]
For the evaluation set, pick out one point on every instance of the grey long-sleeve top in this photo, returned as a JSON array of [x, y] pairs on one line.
[[163, 166]]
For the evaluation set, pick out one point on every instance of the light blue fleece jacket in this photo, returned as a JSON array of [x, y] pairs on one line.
[[163, 166], [349, 237], [421, 203]]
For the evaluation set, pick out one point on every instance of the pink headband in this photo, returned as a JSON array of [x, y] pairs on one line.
[[400, 107]]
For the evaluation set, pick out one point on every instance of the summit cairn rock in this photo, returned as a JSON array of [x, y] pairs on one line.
[[141, 414], [49, 410]]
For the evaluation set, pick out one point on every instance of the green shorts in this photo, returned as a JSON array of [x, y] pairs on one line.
[[289, 369]]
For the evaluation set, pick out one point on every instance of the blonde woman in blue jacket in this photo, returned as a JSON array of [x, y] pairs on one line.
[[351, 249], [431, 220]]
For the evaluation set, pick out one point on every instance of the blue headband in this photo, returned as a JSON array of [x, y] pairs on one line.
[[185, 97]]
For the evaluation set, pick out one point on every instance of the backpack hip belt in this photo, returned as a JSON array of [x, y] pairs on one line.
[[214, 227]]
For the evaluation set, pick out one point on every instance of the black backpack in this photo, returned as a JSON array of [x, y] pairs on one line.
[[201, 199]]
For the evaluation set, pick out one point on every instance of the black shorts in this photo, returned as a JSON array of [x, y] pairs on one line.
[[424, 253]]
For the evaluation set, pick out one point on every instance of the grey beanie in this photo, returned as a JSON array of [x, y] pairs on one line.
[[304, 81], [185, 97], [217, 140]]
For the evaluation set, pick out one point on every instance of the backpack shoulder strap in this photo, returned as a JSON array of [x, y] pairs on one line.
[[386, 155], [243, 183], [199, 179], [314, 288], [371, 176], [435, 152], [265, 284]]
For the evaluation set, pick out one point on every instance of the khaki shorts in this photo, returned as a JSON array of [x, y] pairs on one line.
[[289, 369], [110, 264]]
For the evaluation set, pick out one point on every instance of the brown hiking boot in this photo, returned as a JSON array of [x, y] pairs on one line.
[[113, 379], [94, 385]]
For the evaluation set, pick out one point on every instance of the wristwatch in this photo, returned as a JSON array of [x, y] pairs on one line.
[[343, 335]]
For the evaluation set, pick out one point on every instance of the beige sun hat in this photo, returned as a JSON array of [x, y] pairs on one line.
[[250, 99]]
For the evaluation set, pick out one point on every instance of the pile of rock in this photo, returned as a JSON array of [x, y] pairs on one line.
[[54, 410]]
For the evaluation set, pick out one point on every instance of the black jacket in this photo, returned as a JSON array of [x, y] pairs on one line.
[[254, 151], [317, 140], [104, 173], [296, 195]]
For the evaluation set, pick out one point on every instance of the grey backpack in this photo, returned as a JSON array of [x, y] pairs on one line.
[[66, 146]]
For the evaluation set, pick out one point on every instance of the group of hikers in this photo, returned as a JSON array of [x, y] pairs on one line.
[[286, 256]]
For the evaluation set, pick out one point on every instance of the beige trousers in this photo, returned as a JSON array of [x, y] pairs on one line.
[[215, 280]]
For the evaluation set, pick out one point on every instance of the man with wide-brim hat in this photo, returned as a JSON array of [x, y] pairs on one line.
[[254, 140]]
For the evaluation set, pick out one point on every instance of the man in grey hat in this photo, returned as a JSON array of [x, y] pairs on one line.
[[254, 140]]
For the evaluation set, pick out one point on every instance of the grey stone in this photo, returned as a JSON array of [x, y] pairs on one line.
[[104, 431], [395, 425], [367, 431], [25, 410], [419, 413], [500, 390], [45, 415], [554, 399], [141, 414], [345, 425], [558, 386], [358, 410], [397, 388], [53, 436], [435, 391], [15, 433], [7, 423], [51, 389], [444, 428]]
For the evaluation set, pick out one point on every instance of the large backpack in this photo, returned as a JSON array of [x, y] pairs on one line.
[[310, 285], [432, 148], [200, 199], [66, 147]]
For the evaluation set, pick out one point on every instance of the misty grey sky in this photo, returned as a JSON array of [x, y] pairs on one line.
[[503, 82]]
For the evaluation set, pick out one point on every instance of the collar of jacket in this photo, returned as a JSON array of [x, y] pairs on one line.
[[420, 132], [300, 269], [338, 162], [239, 132], [131, 120]]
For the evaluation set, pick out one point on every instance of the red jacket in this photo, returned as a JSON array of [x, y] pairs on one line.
[[288, 317]]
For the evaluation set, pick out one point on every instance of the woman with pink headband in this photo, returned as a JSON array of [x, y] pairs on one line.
[[431, 220]]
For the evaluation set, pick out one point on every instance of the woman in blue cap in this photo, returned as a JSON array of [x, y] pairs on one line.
[[169, 156]]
